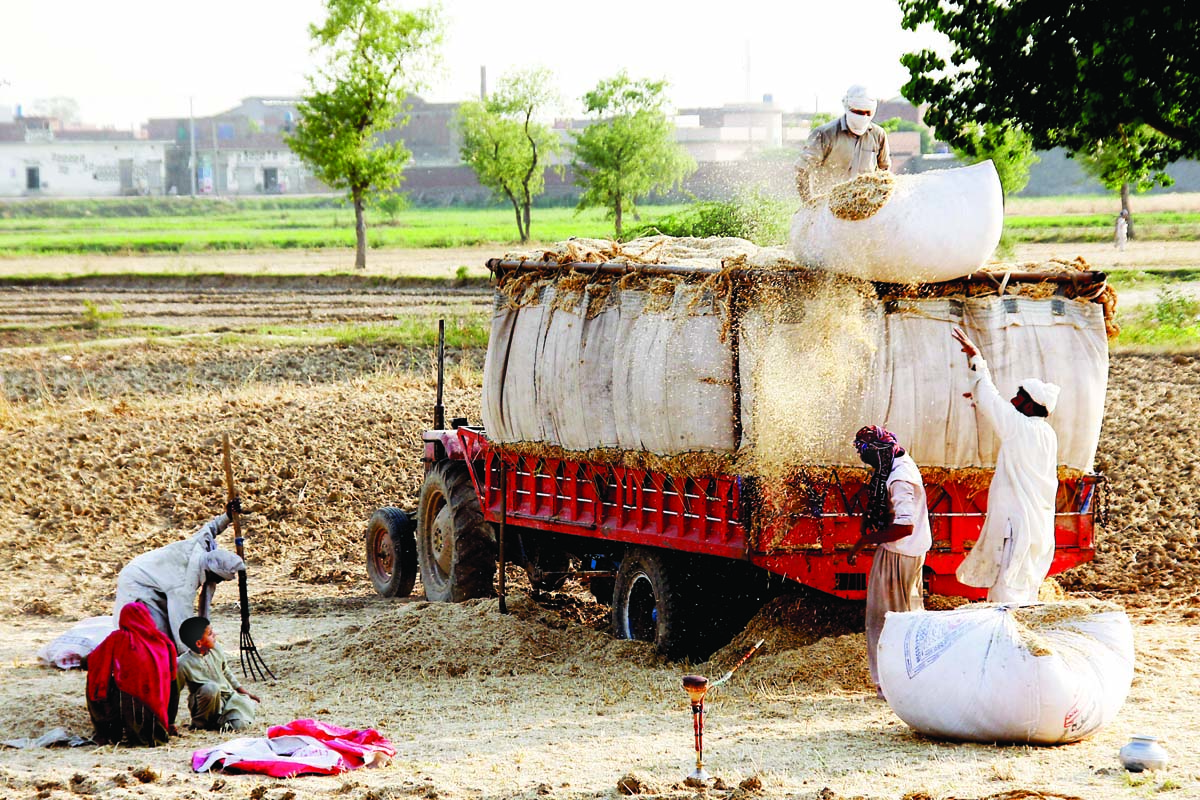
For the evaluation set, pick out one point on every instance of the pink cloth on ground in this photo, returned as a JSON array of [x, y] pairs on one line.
[[303, 746], [358, 747]]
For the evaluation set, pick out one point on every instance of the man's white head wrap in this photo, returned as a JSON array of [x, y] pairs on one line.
[[223, 563], [1042, 393], [858, 97]]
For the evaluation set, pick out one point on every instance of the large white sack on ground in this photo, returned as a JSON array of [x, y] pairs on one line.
[[69, 649], [977, 674], [937, 226]]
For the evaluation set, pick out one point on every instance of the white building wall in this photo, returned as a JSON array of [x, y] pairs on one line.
[[80, 168]]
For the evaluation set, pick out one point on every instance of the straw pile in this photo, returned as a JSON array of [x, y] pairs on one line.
[[813, 641], [861, 197], [473, 639]]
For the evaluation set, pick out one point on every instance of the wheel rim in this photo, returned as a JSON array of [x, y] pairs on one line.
[[443, 541], [436, 567], [383, 554], [642, 609]]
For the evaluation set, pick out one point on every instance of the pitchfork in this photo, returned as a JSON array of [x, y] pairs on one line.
[[252, 663]]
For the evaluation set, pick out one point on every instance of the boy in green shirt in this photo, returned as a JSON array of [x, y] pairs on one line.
[[215, 697]]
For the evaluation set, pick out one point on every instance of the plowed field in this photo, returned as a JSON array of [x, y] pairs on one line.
[[110, 447]]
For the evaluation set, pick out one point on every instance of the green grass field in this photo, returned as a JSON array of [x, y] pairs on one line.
[[186, 225], [252, 228]]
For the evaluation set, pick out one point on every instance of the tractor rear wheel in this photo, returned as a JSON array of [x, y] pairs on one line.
[[391, 552], [649, 602], [455, 546]]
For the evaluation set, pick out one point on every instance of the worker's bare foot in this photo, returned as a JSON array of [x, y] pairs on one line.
[[879, 694]]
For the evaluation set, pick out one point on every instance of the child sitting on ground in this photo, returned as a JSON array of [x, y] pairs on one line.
[[215, 698]]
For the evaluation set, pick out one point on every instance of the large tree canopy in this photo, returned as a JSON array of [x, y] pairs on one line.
[[375, 55], [630, 150], [1071, 73], [506, 145]]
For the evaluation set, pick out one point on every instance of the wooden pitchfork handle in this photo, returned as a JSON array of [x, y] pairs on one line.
[[252, 663]]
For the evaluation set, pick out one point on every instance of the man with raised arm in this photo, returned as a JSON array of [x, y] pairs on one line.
[[1013, 553]]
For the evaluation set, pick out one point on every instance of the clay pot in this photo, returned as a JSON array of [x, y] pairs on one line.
[[1143, 752]]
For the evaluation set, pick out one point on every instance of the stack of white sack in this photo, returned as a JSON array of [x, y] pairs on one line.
[[937, 226], [1048, 674], [69, 649]]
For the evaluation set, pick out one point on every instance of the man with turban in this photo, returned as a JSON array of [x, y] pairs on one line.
[[167, 580], [132, 695], [840, 150], [1013, 553], [896, 519]]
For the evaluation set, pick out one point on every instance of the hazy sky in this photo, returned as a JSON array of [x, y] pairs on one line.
[[127, 60]]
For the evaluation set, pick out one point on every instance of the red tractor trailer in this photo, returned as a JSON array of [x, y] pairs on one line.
[[674, 553]]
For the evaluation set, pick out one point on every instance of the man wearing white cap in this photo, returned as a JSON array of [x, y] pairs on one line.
[[1013, 554], [838, 151]]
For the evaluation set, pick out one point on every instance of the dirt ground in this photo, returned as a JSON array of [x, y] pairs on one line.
[[108, 451]]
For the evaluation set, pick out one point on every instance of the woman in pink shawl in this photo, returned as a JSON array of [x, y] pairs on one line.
[[131, 691]]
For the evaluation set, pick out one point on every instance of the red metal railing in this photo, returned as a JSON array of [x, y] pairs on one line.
[[723, 515]]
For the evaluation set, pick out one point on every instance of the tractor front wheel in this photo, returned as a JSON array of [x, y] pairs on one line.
[[391, 552], [455, 546]]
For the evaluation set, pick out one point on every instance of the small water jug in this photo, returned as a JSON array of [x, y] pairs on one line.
[[1143, 752]]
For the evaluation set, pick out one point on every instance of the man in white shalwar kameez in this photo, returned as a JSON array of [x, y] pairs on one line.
[[168, 579], [1013, 553]]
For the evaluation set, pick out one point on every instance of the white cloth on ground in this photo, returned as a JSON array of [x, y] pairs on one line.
[[167, 579], [906, 493], [1021, 498]]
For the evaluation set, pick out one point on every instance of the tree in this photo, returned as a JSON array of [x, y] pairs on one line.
[[630, 150], [1071, 73], [504, 144], [375, 55], [1010, 150], [1116, 163]]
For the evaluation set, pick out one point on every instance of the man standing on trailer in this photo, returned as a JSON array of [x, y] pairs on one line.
[[897, 520], [840, 150], [1013, 553]]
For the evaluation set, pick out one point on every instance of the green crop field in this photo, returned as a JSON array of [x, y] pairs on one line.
[[187, 225], [257, 228]]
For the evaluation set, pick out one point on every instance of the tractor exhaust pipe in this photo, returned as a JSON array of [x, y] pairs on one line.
[[439, 411]]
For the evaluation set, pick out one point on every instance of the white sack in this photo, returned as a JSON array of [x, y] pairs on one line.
[[1054, 339], [672, 376], [937, 226], [495, 369], [513, 371], [597, 426], [69, 649], [970, 675], [917, 381]]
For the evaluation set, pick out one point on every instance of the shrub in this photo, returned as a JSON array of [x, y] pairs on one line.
[[755, 216], [1174, 308], [93, 317]]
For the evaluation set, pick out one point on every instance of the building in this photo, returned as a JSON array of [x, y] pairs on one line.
[[241, 151], [41, 158]]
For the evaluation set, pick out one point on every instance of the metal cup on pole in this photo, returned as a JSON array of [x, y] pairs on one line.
[[697, 686]]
